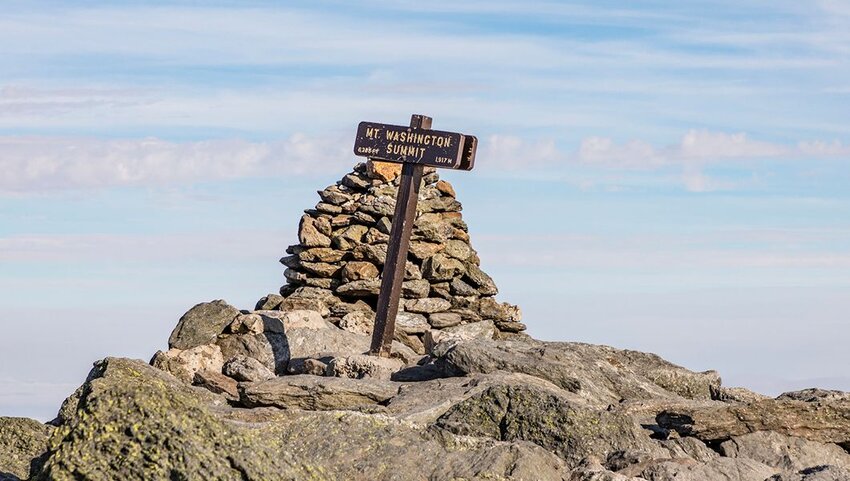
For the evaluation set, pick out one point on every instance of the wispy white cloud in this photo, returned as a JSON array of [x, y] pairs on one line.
[[699, 149], [18, 100], [39, 164], [48, 164], [695, 146], [267, 68]]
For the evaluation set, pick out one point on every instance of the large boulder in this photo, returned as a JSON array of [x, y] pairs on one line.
[[601, 375], [202, 324], [784, 452], [568, 428], [424, 402], [815, 421], [136, 422]]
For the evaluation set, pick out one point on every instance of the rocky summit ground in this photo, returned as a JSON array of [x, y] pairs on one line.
[[473, 408], [285, 391]]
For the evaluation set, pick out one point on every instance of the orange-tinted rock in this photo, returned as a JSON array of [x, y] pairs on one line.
[[445, 188], [385, 171]]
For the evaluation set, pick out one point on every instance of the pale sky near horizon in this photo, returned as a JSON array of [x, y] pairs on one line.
[[662, 176]]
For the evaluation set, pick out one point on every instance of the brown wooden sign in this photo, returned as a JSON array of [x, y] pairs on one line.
[[397, 143], [415, 147]]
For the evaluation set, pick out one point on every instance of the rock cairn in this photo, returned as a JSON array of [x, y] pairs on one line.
[[335, 268]]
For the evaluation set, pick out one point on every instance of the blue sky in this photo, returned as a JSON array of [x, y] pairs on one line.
[[662, 176]]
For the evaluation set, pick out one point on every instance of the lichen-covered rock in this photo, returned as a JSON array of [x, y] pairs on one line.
[[560, 425], [127, 427], [201, 324], [424, 401], [22, 441], [135, 422]]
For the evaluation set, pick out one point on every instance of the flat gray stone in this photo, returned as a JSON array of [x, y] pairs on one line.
[[242, 368], [317, 393], [411, 323], [363, 366], [361, 288], [442, 320], [427, 305]]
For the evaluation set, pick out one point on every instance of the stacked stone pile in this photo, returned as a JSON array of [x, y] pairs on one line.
[[342, 245]]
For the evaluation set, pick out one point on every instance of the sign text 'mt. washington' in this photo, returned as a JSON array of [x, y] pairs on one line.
[[396, 143]]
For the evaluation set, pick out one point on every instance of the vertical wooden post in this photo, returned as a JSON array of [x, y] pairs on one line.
[[394, 266]]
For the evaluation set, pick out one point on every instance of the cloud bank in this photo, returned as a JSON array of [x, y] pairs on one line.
[[39, 164], [44, 164]]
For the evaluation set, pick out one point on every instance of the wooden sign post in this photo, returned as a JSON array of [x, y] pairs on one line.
[[414, 147]]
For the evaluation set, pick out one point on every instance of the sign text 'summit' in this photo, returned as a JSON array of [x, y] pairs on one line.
[[397, 143]]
